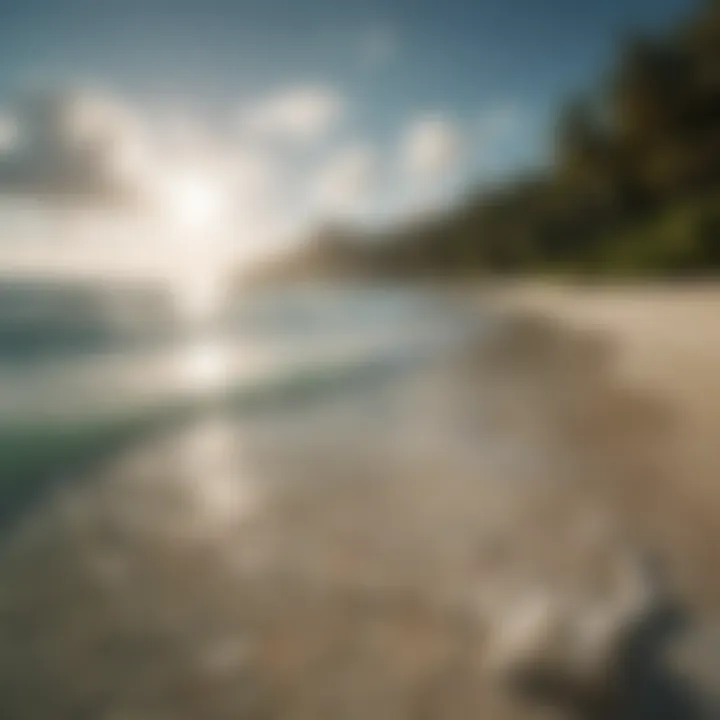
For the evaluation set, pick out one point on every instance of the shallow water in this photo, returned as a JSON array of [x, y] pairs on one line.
[[255, 340], [345, 552]]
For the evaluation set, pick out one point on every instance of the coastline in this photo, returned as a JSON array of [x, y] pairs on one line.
[[664, 341]]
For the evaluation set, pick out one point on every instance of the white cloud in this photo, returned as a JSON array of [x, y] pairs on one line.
[[255, 174], [345, 182], [76, 146], [245, 193], [303, 113], [430, 147], [182, 136]]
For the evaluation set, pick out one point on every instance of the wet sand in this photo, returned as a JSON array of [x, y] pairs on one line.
[[359, 555]]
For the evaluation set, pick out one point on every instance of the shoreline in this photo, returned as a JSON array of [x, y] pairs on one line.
[[664, 342]]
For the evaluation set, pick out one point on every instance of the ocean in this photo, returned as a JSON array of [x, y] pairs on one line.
[[83, 369]]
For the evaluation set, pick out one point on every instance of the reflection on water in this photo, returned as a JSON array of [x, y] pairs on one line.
[[212, 473], [205, 366], [261, 338], [65, 389]]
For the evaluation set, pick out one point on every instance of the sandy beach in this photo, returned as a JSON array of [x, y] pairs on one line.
[[401, 548], [664, 342]]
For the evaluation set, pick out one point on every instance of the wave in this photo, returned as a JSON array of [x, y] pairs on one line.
[[38, 457]]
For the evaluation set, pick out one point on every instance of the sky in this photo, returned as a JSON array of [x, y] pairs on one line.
[[176, 135]]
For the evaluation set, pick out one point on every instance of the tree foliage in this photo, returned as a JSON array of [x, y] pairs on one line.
[[635, 183]]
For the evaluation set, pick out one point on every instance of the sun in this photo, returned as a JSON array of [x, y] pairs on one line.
[[194, 202], [195, 218]]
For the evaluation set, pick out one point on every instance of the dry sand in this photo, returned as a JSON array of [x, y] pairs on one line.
[[664, 342]]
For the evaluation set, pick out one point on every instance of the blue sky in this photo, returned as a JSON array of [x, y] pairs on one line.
[[454, 54], [472, 81]]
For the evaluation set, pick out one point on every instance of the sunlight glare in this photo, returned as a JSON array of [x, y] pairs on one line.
[[194, 202], [204, 367]]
